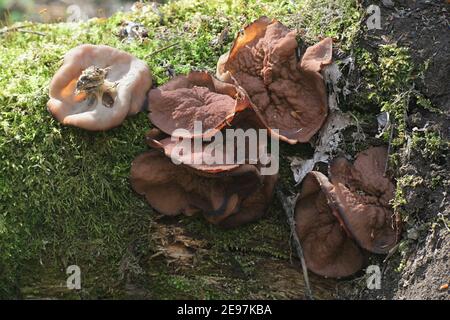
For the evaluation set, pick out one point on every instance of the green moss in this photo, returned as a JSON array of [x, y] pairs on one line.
[[436, 181], [337, 19], [387, 78], [410, 181], [431, 145], [399, 199], [406, 181], [198, 287], [426, 103], [64, 193], [269, 237], [403, 250]]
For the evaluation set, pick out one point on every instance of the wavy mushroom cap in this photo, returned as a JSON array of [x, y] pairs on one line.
[[184, 151], [328, 249], [220, 197], [288, 95], [364, 193], [195, 97], [132, 78]]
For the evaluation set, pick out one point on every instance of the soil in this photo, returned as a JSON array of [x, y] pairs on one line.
[[422, 26]]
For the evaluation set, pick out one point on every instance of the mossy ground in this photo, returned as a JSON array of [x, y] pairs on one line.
[[64, 193]]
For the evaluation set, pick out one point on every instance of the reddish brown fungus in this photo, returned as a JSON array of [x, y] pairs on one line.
[[363, 193], [329, 250], [286, 94], [228, 198], [212, 160], [351, 209], [195, 97]]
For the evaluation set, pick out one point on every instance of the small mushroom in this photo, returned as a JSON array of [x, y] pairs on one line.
[[364, 194], [286, 94], [328, 248], [195, 97], [97, 87], [228, 198]]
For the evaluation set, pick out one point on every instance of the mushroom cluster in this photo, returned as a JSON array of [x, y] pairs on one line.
[[226, 194], [338, 218], [97, 87], [263, 82], [229, 197]]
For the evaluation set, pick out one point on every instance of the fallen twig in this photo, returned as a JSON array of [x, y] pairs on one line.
[[289, 210], [162, 49], [391, 136], [389, 255], [21, 29], [12, 29], [32, 32]]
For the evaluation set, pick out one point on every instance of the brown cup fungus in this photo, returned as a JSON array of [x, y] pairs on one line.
[[337, 218], [329, 250], [195, 97], [97, 87], [200, 180], [227, 195], [287, 94], [363, 193]]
